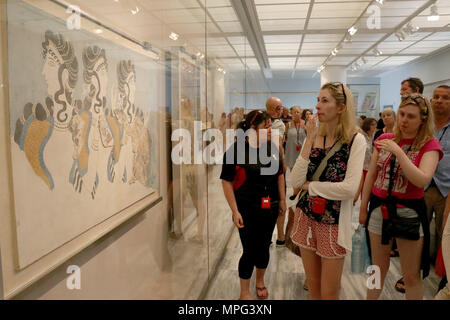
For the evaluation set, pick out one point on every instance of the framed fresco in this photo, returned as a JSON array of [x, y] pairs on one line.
[[83, 125]]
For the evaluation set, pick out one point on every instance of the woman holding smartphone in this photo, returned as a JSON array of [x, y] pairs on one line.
[[322, 224], [402, 164], [255, 191]]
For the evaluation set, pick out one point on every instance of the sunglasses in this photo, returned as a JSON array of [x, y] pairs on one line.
[[417, 100], [337, 84]]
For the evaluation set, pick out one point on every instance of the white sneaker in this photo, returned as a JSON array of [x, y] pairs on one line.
[[443, 294]]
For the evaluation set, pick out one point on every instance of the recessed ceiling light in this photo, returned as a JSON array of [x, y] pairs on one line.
[[98, 31], [174, 36]]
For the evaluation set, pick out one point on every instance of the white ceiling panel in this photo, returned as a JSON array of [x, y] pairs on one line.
[[352, 51], [257, 2], [413, 37], [184, 28], [283, 39], [357, 45], [244, 50], [395, 61], [277, 63], [390, 22], [319, 45], [419, 50], [343, 10], [423, 22], [282, 24], [215, 3], [223, 14], [238, 40], [316, 51], [282, 46], [367, 37], [230, 26], [290, 11], [210, 41], [182, 16], [160, 4], [323, 37], [341, 60], [439, 36], [327, 23], [400, 8]]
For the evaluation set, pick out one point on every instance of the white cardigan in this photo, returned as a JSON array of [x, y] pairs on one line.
[[344, 191]]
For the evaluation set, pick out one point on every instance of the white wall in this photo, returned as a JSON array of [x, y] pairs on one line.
[[432, 69]]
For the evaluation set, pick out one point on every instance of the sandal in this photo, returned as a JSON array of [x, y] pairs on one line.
[[262, 296], [400, 286]]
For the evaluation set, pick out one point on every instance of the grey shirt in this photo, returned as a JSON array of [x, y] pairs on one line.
[[295, 137], [442, 174]]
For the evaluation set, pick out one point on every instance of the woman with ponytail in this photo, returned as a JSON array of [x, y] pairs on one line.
[[253, 184]]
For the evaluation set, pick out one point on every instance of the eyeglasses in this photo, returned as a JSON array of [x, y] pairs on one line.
[[278, 108]]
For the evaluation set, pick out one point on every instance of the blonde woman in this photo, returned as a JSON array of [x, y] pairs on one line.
[[388, 117], [324, 232], [402, 164]]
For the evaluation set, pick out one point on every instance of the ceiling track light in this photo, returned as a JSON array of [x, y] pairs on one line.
[[352, 30], [174, 36], [434, 15], [380, 1], [377, 52], [400, 35], [135, 11], [320, 69], [410, 29]]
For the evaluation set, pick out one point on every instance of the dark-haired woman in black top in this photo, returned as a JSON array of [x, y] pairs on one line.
[[253, 184]]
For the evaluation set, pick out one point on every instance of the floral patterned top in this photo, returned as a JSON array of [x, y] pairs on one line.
[[333, 172]]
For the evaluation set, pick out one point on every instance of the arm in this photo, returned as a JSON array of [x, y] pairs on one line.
[[229, 195], [367, 188], [346, 189], [282, 193], [446, 211], [418, 176]]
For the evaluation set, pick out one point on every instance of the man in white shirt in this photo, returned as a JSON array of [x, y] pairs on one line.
[[274, 108]]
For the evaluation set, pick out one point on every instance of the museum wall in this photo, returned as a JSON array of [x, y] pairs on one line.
[[136, 253]]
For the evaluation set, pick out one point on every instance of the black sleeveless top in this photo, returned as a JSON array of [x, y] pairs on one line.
[[334, 172]]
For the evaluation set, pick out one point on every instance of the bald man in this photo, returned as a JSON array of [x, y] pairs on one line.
[[274, 108]]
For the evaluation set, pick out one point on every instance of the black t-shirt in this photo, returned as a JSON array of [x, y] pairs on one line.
[[253, 180]]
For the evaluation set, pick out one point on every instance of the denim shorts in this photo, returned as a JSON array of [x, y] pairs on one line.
[[376, 219]]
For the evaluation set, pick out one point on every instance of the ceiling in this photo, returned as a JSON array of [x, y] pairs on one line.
[[288, 35]]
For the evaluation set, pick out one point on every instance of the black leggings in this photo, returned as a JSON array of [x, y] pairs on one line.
[[256, 236]]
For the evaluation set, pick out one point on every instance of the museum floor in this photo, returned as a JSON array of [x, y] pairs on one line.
[[285, 275]]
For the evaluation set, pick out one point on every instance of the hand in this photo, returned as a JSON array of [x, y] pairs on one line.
[[363, 215], [237, 219], [389, 146], [311, 127], [305, 186], [282, 208]]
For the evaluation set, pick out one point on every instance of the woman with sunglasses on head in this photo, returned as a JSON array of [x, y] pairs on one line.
[[253, 184], [402, 164], [329, 170]]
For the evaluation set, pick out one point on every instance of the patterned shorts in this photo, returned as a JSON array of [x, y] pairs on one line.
[[320, 237]]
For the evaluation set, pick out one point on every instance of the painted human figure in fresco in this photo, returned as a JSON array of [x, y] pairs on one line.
[[101, 142], [44, 128], [135, 163]]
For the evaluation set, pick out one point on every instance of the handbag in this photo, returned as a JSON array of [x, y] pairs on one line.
[[395, 226]]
